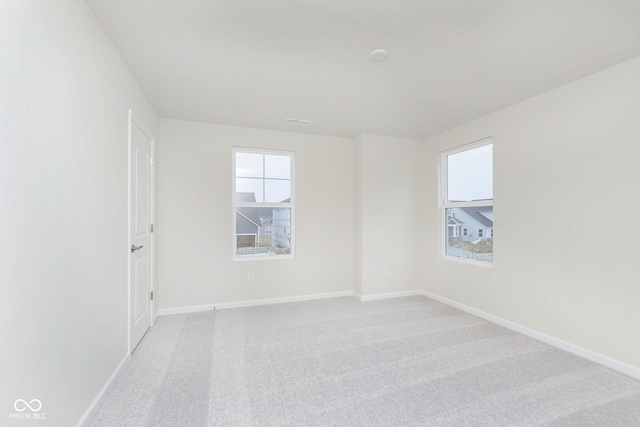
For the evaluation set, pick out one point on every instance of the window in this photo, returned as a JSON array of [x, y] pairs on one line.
[[467, 202], [263, 203]]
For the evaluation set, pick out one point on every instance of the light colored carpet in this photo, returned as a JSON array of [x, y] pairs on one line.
[[340, 362]]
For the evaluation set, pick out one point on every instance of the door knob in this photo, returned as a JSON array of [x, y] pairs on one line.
[[136, 248]]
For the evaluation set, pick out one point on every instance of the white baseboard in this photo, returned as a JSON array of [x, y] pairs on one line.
[[387, 295], [251, 303], [103, 390], [614, 364]]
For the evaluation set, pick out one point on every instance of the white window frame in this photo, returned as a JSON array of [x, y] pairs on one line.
[[445, 204], [235, 204]]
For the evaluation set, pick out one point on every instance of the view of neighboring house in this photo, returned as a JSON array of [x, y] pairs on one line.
[[470, 232], [470, 224], [281, 228], [261, 230], [248, 221], [265, 231]]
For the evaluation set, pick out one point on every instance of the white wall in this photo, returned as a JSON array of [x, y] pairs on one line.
[[565, 165], [64, 100], [389, 219], [195, 227]]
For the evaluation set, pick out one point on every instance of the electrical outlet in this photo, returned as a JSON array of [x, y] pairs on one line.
[[251, 276], [385, 272]]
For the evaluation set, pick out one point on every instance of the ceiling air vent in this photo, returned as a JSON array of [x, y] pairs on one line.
[[298, 122]]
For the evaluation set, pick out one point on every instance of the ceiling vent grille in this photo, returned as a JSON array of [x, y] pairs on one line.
[[298, 122]]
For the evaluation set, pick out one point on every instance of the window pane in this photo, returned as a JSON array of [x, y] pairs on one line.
[[470, 175], [277, 166], [249, 165], [281, 229], [277, 191], [263, 231], [469, 233], [249, 190]]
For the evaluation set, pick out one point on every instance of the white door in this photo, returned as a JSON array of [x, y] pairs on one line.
[[140, 226]]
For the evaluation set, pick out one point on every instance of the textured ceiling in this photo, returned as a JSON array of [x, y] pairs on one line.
[[256, 62]]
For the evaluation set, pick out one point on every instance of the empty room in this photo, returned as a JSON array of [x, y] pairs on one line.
[[319, 213]]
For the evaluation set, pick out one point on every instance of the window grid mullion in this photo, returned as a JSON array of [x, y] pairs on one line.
[[263, 205], [264, 174], [466, 204], [256, 177]]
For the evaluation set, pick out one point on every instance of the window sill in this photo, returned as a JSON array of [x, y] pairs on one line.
[[485, 264], [262, 257]]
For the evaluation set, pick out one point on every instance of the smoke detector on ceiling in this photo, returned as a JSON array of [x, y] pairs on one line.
[[299, 122], [379, 54]]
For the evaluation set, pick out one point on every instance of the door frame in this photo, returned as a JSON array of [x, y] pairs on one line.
[[135, 121]]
